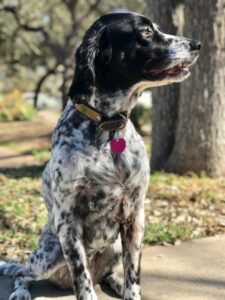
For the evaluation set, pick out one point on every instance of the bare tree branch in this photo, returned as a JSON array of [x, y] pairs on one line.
[[41, 82], [92, 7], [27, 27], [55, 48], [71, 6]]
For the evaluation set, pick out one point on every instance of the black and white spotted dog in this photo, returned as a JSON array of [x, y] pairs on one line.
[[95, 183]]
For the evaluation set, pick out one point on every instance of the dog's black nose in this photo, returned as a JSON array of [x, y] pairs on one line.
[[195, 45]]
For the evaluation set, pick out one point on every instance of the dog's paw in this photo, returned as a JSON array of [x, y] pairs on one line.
[[9, 269], [116, 283], [132, 291], [88, 294], [20, 294]]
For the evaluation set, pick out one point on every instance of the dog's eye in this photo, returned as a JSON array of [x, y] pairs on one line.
[[146, 32]]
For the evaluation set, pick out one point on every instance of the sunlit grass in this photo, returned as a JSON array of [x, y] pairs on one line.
[[41, 155], [191, 185], [159, 233], [22, 214]]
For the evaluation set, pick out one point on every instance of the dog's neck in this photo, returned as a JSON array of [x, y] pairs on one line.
[[113, 110], [119, 101], [110, 104]]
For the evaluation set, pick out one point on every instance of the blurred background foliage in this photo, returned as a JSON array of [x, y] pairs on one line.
[[13, 107], [38, 40]]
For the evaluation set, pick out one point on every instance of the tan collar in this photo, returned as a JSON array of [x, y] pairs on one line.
[[115, 122], [89, 112]]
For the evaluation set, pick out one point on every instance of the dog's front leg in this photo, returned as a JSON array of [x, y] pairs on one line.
[[132, 235], [70, 238]]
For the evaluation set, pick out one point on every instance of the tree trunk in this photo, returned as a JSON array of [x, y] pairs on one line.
[[165, 99], [200, 134], [199, 138]]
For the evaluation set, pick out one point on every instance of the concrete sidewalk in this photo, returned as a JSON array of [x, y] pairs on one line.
[[191, 271]]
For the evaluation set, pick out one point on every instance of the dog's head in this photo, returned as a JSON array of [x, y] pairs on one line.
[[123, 50]]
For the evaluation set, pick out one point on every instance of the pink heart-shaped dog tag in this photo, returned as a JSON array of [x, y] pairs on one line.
[[117, 145]]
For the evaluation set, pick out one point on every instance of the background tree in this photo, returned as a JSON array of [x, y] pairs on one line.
[[165, 99], [196, 133]]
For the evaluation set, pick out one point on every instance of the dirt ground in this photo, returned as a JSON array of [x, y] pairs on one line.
[[19, 140]]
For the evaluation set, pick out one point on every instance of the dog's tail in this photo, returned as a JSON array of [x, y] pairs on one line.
[[9, 269]]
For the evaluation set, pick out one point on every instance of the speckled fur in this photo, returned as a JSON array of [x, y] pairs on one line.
[[95, 198]]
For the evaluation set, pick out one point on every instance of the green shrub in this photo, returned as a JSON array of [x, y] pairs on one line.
[[13, 107]]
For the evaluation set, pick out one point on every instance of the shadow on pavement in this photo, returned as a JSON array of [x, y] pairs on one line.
[[186, 280]]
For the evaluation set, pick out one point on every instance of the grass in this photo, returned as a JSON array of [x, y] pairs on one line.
[[184, 207], [42, 155], [22, 213], [191, 187], [14, 146], [159, 233]]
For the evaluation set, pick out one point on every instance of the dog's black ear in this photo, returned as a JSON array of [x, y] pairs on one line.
[[104, 52], [94, 50]]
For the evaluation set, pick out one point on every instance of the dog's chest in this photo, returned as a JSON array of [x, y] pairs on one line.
[[102, 211], [108, 197]]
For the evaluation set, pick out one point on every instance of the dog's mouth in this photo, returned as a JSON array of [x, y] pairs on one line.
[[181, 69]]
